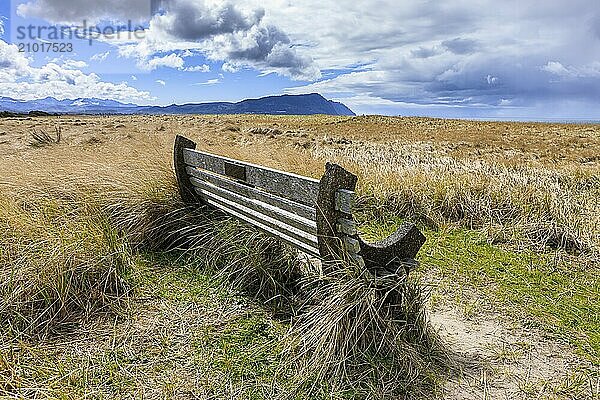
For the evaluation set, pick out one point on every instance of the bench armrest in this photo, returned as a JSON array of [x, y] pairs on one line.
[[400, 248]]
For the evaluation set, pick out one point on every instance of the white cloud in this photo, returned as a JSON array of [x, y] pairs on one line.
[[556, 68], [133, 78], [491, 80], [209, 82], [171, 61], [198, 68], [585, 71], [161, 82], [100, 56], [227, 67], [74, 64], [367, 83], [18, 79]]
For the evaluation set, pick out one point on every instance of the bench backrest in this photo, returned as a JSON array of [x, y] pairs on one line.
[[279, 203]]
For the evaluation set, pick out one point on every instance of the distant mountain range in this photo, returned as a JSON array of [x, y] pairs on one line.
[[305, 104]]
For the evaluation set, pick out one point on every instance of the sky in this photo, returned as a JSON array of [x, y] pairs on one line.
[[527, 59]]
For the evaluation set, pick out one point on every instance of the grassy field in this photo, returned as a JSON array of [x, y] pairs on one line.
[[110, 288]]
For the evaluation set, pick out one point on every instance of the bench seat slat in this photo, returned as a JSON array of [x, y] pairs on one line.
[[306, 225], [311, 250], [278, 228], [291, 186], [299, 209]]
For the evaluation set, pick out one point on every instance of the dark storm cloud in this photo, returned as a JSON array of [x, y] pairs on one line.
[[460, 46], [197, 20], [425, 52], [513, 54], [235, 36], [69, 11]]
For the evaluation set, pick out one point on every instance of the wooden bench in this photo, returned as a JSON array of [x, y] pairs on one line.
[[314, 216]]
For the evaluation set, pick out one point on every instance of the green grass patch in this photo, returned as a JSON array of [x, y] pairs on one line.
[[552, 290]]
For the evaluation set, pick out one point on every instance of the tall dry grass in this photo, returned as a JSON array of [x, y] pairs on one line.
[[74, 218], [61, 262], [523, 204], [65, 251], [349, 331]]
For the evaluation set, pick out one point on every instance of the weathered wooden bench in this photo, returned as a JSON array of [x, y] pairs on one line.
[[313, 216]]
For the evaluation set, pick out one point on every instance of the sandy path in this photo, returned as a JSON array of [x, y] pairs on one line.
[[511, 362]]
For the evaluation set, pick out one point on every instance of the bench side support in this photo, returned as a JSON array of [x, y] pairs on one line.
[[339, 239], [336, 178], [186, 190]]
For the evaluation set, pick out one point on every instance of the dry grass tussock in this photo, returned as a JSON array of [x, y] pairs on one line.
[[42, 138], [527, 205], [64, 249], [61, 262], [348, 330], [365, 333]]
